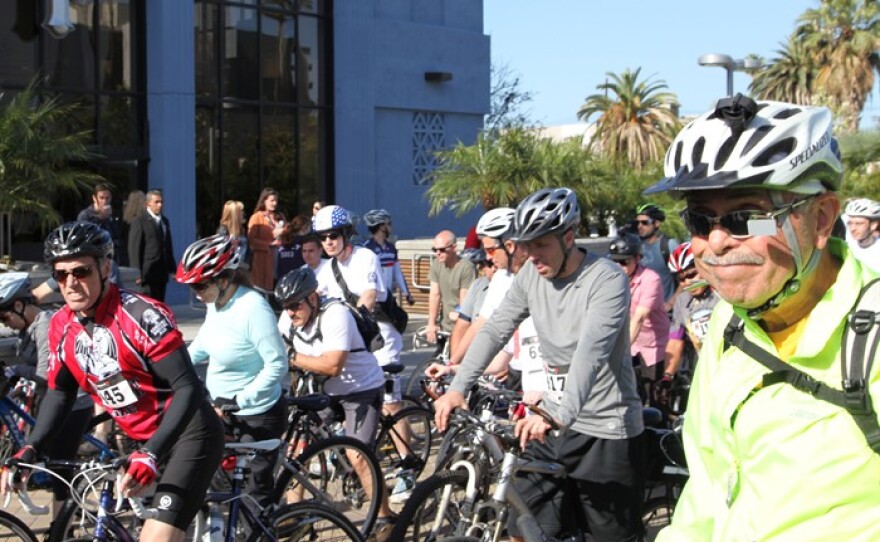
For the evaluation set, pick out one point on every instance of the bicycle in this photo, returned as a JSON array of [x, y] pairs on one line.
[[667, 474], [458, 503], [112, 520], [414, 384]]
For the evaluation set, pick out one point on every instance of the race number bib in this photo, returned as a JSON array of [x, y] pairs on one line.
[[555, 383], [115, 392]]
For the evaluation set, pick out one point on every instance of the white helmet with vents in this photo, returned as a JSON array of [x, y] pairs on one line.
[[497, 223], [863, 207]]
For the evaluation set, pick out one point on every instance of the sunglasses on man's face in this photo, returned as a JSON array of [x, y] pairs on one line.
[[295, 306], [737, 222], [78, 273], [644, 222], [491, 250], [331, 236], [438, 250]]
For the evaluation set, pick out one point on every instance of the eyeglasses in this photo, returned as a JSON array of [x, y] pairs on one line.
[[442, 249], [644, 222], [624, 263], [491, 250], [293, 306], [687, 275], [331, 236], [201, 286], [738, 222], [78, 273]]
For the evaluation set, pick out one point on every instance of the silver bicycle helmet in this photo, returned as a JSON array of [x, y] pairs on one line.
[[75, 239], [549, 210], [474, 255], [743, 144], [296, 286], [863, 207], [376, 217], [497, 223], [14, 286]]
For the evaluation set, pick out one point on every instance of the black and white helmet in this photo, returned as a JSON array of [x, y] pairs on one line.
[[75, 239], [746, 145], [474, 255], [863, 207], [296, 286], [376, 217], [549, 210], [497, 223]]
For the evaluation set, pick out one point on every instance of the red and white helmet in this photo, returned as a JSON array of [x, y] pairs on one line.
[[681, 258], [207, 258]]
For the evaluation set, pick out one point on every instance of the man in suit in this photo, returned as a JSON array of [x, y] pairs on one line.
[[149, 247]]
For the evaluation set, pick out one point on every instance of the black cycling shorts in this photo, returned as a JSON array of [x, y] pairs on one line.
[[604, 488], [191, 464]]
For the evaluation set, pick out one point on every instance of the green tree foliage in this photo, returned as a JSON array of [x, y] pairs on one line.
[[861, 162], [39, 153], [636, 119], [790, 76]]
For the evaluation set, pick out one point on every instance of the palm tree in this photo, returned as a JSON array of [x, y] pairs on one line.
[[37, 150], [843, 36], [637, 122], [789, 77]]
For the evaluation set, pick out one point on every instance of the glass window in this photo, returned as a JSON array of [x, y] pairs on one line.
[[18, 42], [70, 63], [207, 48], [116, 33], [241, 59], [312, 156], [278, 138], [208, 187], [278, 62], [240, 152], [119, 126], [309, 61]]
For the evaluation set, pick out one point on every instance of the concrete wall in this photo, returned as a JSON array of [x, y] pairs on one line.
[[382, 51]]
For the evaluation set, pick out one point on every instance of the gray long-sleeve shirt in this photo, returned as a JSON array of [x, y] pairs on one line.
[[583, 325]]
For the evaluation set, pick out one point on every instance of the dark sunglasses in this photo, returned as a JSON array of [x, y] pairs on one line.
[[687, 275], [78, 273], [201, 286], [643, 222], [441, 249], [295, 306], [737, 222], [331, 236], [624, 263]]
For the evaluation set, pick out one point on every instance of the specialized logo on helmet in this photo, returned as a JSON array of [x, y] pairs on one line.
[[811, 150]]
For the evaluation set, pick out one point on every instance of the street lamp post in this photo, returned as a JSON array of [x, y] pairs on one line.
[[730, 64]]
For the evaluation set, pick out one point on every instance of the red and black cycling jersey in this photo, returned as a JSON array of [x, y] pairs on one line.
[[111, 360]]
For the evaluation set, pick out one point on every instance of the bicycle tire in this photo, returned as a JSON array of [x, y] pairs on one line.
[[656, 514], [308, 521], [334, 476], [414, 384], [415, 521], [419, 447], [12, 528], [68, 527]]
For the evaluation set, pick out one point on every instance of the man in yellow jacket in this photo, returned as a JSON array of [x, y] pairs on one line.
[[771, 455]]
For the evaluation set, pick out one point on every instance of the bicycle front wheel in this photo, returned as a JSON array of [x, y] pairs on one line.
[[435, 510], [656, 514], [393, 448], [308, 521], [12, 528], [327, 471]]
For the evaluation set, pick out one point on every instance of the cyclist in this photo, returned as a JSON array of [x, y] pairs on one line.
[[768, 460], [18, 312], [450, 278], [378, 222], [325, 340], [862, 219], [126, 351], [579, 303], [473, 301], [656, 246], [247, 371], [353, 274]]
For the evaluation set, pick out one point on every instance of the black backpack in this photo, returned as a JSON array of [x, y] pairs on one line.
[[858, 349], [363, 317]]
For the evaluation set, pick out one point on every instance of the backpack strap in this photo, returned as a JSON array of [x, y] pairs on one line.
[[853, 398], [340, 280]]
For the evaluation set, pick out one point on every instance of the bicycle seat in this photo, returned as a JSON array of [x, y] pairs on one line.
[[260, 445], [393, 368], [311, 403]]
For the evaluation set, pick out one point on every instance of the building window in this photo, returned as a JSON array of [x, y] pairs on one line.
[[429, 136], [262, 104], [98, 65]]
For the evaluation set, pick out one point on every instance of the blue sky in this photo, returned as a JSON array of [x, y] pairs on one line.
[[563, 48]]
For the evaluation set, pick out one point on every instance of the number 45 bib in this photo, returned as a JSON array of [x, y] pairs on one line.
[[115, 391]]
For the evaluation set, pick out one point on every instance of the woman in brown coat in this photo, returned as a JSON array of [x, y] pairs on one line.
[[264, 227]]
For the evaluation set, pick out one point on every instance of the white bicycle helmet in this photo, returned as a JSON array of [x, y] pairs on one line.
[[549, 210], [376, 217], [743, 144], [14, 286], [497, 223], [863, 207], [331, 217]]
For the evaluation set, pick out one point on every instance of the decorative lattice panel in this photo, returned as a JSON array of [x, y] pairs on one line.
[[429, 136]]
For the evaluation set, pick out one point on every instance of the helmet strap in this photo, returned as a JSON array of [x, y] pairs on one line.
[[566, 252], [802, 269]]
